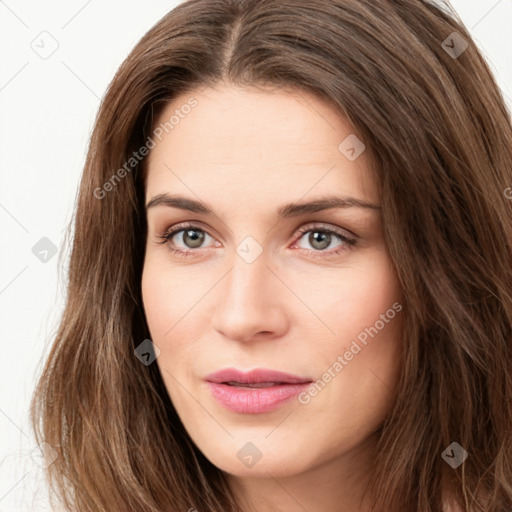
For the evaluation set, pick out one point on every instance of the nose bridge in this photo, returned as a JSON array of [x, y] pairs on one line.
[[248, 301], [248, 281]]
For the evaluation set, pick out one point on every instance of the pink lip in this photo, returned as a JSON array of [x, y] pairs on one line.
[[251, 400]]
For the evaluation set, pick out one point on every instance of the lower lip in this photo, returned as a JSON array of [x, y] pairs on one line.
[[254, 400]]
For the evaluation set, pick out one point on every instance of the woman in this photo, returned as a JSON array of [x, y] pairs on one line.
[[290, 282]]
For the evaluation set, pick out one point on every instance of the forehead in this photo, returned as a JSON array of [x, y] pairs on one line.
[[260, 144]]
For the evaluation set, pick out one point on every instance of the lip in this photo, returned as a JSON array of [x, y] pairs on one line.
[[281, 388], [255, 376]]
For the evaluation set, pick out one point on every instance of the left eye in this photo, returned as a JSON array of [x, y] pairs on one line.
[[320, 239]]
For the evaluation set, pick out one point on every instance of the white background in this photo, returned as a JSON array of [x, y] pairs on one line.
[[47, 112]]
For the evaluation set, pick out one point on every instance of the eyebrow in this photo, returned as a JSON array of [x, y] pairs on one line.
[[286, 211]]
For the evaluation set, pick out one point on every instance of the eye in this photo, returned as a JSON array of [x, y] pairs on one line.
[[321, 237], [190, 236]]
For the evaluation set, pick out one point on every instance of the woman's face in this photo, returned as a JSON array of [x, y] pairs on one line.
[[305, 290]]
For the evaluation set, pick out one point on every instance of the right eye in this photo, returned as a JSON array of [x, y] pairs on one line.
[[190, 235]]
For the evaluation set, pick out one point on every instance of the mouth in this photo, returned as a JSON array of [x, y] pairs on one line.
[[257, 391]]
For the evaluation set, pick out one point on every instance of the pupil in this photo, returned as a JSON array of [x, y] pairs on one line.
[[323, 239], [197, 238]]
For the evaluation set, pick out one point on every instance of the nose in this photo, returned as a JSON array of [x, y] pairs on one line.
[[250, 302]]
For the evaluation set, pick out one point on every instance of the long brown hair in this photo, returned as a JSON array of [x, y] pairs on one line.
[[439, 137]]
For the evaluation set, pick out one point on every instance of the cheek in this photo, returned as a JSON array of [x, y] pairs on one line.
[[169, 296], [363, 307], [377, 307], [177, 321], [349, 299], [360, 366], [168, 300]]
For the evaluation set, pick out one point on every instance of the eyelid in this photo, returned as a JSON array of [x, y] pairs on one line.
[[183, 226], [326, 226]]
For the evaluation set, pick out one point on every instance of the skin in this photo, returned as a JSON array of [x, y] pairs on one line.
[[295, 308]]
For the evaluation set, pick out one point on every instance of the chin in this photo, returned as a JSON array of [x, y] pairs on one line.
[[243, 457]]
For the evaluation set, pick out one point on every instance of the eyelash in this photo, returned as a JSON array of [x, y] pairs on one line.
[[349, 243]]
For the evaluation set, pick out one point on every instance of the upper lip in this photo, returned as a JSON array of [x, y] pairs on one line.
[[255, 376]]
